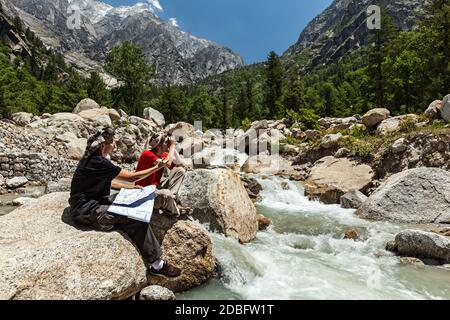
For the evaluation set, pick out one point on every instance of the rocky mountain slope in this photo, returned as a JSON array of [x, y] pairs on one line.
[[179, 57], [342, 28]]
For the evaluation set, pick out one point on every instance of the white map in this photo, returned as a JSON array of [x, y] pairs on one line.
[[136, 204]]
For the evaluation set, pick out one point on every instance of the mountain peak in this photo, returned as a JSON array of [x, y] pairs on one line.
[[180, 58]]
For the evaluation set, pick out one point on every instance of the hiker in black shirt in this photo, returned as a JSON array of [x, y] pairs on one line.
[[90, 199]]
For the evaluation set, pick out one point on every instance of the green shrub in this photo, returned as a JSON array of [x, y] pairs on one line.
[[307, 117], [364, 151]]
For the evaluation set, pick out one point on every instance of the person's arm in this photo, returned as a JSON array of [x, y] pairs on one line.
[[170, 157], [118, 186], [141, 175]]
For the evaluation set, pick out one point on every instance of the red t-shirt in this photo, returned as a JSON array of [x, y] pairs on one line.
[[148, 160]]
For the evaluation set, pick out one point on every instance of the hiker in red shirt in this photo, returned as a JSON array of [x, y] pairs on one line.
[[169, 179]]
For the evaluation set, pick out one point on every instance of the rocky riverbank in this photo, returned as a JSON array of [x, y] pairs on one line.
[[388, 168]]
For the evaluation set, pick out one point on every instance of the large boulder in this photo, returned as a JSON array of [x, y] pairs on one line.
[[154, 115], [375, 116], [16, 182], [338, 123], [353, 199], [434, 110], [331, 178], [419, 195], [63, 185], [101, 116], [85, 104], [146, 127], [156, 293], [65, 116], [75, 146], [445, 109], [421, 244], [22, 118], [181, 129], [219, 198], [187, 245], [394, 124], [42, 257], [331, 141], [271, 164]]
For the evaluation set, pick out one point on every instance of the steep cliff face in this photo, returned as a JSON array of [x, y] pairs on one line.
[[342, 28], [180, 57]]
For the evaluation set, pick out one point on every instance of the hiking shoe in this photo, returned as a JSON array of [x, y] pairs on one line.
[[167, 271], [185, 211]]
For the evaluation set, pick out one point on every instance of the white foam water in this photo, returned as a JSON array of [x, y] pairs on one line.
[[303, 256]]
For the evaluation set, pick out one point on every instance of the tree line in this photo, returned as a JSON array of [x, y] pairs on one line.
[[401, 71]]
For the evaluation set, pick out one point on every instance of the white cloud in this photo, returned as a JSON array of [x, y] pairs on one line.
[[173, 21]]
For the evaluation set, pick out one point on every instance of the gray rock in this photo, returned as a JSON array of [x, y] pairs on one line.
[[411, 261], [331, 140], [353, 199], [188, 246], [100, 117], [375, 116], [64, 116], [154, 115], [2, 181], [399, 146], [63, 185], [312, 134], [219, 198], [16, 182], [42, 257], [394, 124], [331, 178], [434, 110], [445, 110], [419, 195], [22, 118], [342, 153], [85, 104], [156, 293], [421, 244], [66, 137], [21, 201], [260, 125]]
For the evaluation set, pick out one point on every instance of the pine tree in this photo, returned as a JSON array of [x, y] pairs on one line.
[[225, 106], [96, 89], [273, 85], [171, 104], [294, 98], [18, 24], [328, 93], [127, 64], [202, 108], [251, 100], [242, 104], [436, 29], [381, 40]]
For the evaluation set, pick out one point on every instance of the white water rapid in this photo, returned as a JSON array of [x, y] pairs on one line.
[[303, 256]]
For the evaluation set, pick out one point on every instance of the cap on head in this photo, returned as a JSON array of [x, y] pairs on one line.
[[97, 139], [155, 140]]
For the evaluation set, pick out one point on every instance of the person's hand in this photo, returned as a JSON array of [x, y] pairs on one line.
[[138, 187], [161, 164], [172, 142]]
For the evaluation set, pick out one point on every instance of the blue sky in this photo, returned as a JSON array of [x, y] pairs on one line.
[[252, 28]]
